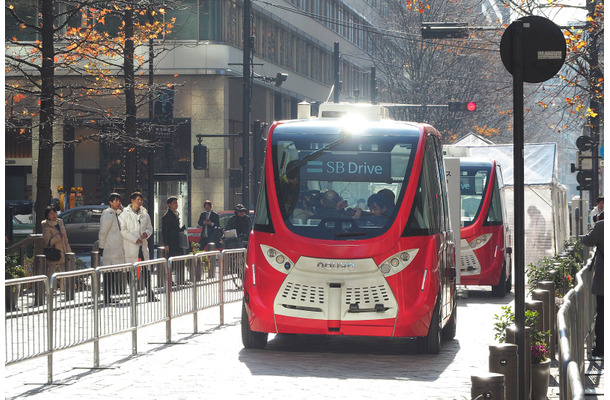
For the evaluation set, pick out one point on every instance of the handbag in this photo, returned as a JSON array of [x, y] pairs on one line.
[[51, 252], [183, 240]]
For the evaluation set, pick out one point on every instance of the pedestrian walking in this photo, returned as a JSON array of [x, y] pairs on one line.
[[595, 237], [170, 231], [111, 246], [210, 223], [136, 228], [54, 234]]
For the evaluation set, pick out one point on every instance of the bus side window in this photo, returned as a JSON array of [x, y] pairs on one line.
[[425, 212], [494, 215], [262, 222]]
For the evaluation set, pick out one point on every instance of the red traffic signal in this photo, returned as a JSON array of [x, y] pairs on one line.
[[461, 106]]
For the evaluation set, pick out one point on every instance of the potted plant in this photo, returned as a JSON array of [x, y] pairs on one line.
[[12, 270], [541, 364]]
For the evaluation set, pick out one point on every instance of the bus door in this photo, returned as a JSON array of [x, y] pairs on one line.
[[447, 246]]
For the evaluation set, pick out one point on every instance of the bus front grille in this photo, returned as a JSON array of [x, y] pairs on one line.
[[367, 295], [302, 293]]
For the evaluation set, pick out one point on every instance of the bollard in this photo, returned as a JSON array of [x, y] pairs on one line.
[[550, 286], [487, 386], [545, 297], [69, 282], [40, 268], [211, 268], [161, 254], [511, 337], [95, 259], [536, 305], [503, 359]]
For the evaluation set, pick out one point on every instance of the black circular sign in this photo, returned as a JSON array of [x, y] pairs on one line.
[[544, 49]]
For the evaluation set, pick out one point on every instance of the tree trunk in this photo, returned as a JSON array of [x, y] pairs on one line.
[[47, 111], [131, 160]]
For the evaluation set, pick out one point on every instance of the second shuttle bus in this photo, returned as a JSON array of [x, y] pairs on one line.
[[485, 252]]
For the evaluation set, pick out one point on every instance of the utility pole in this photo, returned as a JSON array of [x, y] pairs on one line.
[[373, 85], [337, 85], [247, 95], [151, 151]]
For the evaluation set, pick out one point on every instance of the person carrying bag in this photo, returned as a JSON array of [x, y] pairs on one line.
[[55, 236]]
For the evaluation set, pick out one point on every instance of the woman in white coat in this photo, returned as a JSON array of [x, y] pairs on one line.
[[111, 247], [136, 228]]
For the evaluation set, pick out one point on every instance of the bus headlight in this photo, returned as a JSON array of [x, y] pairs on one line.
[[397, 262], [276, 259], [480, 241]]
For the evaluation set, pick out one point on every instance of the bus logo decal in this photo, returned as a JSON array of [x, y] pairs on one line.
[[337, 266]]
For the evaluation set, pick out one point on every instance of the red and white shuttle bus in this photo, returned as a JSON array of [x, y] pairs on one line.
[[485, 251], [351, 233]]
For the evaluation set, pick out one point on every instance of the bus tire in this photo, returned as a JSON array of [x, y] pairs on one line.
[[431, 343], [450, 330], [499, 290], [249, 338]]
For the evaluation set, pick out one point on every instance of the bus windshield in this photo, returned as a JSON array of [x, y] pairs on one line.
[[341, 188], [474, 179]]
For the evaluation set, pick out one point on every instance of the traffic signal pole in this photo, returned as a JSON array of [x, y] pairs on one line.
[[595, 105], [247, 95]]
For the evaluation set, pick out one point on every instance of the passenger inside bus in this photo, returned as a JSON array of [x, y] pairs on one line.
[[381, 205], [333, 207]]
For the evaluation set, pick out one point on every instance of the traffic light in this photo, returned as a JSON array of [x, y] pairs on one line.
[[462, 106], [200, 156], [584, 178], [583, 143], [280, 78], [163, 106], [234, 177]]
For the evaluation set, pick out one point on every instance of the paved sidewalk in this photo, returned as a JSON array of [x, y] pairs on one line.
[[213, 364]]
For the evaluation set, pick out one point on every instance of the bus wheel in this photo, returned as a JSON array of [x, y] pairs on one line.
[[499, 290], [431, 343], [450, 329], [250, 338]]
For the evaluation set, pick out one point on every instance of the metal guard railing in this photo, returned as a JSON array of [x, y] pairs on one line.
[[115, 299], [575, 329]]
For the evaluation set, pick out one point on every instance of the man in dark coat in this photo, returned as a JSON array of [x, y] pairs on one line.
[[209, 223], [170, 229], [242, 225], [595, 237]]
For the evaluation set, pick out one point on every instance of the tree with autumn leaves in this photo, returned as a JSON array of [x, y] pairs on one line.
[[62, 57], [435, 71]]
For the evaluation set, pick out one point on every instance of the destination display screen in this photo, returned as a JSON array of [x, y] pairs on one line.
[[361, 167]]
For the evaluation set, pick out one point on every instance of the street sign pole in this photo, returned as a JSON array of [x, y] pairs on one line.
[[519, 201], [533, 49]]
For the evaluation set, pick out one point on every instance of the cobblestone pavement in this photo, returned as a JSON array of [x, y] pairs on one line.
[[213, 363]]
